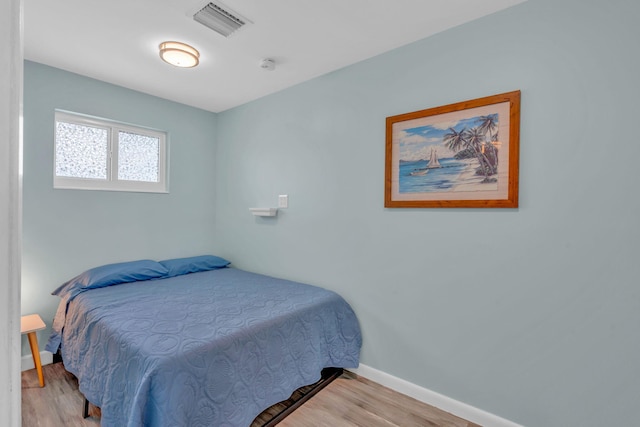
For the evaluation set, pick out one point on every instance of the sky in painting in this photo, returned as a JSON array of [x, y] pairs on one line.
[[416, 143]]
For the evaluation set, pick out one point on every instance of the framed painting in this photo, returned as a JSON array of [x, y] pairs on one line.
[[462, 155]]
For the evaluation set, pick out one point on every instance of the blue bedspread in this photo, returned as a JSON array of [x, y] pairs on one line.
[[213, 348]]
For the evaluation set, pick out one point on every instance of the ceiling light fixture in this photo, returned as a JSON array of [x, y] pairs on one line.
[[179, 54]]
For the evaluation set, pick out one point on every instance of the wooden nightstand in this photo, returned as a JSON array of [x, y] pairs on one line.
[[29, 325]]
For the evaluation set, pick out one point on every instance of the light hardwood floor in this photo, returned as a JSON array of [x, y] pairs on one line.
[[348, 401]]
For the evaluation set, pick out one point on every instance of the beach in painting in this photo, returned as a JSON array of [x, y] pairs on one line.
[[453, 175]]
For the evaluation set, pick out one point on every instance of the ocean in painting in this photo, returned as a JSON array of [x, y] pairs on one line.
[[435, 180]]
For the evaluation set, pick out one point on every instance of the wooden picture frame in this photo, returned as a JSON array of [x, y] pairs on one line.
[[462, 155]]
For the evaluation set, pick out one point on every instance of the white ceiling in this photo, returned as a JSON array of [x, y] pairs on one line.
[[117, 41]]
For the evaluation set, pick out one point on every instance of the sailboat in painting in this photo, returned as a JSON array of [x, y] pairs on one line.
[[433, 160], [433, 163]]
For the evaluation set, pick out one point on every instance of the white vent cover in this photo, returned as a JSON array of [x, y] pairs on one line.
[[219, 19]]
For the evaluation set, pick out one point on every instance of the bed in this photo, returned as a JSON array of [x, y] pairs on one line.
[[197, 346]]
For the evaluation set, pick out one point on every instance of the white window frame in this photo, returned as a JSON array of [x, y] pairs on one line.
[[111, 183]]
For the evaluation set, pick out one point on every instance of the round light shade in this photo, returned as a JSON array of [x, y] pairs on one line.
[[179, 54]]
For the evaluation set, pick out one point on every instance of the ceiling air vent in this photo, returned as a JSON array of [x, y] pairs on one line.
[[219, 19]]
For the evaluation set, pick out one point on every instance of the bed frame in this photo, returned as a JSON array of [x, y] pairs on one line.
[[280, 411]]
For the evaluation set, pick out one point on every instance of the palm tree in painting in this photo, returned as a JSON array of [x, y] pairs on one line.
[[469, 143], [454, 140], [475, 139], [489, 125]]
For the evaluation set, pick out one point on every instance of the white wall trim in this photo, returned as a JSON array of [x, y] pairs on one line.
[[447, 404], [46, 358], [11, 60]]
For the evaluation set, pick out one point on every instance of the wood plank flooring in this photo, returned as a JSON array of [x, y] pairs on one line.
[[348, 401], [352, 400]]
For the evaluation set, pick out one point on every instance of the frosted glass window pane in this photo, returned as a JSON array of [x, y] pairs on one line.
[[138, 157], [81, 151]]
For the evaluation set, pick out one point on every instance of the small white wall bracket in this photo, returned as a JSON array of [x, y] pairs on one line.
[[264, 211]]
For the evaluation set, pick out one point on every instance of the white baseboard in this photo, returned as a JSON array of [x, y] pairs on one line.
[[46, 358], [447, 404]]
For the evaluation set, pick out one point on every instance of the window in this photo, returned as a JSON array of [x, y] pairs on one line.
[[98, 154]]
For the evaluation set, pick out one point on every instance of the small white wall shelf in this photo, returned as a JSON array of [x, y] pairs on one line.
[[264, 211]]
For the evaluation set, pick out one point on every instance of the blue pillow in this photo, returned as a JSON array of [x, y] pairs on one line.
[[178, 266], [113, 274]]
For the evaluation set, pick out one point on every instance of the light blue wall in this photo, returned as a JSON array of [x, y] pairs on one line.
[[68, 231], [533, 313]]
